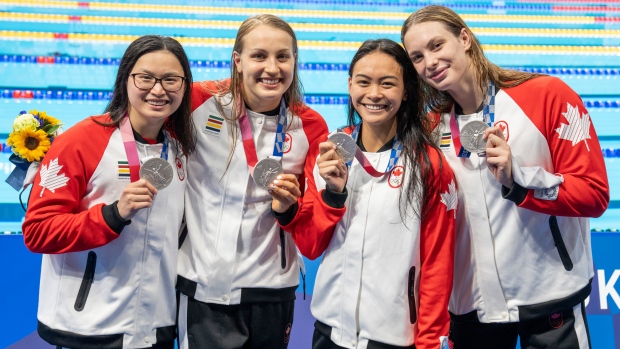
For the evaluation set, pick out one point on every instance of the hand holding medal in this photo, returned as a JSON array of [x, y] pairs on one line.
[[332, 166]]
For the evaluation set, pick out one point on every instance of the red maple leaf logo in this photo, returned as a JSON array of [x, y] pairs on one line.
[[397, 172], [503, 127], [287, 138]]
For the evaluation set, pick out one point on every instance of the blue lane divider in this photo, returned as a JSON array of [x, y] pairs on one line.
[[73, 60], [104, 95]]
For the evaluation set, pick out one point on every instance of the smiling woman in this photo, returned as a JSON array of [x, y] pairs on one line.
[[527, 185], [398, 281], [106, 209], [246, 298]]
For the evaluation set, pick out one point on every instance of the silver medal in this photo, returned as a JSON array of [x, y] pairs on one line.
[[471, 136], [345, 146], [266, 171], [158, 172]]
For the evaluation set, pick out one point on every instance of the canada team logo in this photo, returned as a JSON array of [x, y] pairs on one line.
[[503, 125], [578, 127], [180, 169], [288, 143], [556, 320], [395, 179], [287, 332]]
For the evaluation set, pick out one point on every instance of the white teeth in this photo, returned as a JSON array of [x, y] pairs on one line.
[[374, 106], [156, 103], [270, 82]]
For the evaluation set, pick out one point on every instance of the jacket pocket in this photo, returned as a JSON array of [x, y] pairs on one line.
[[413, 316], [559, 243], [87, 280]]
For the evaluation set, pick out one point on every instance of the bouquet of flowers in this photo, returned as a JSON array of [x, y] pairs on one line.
[[30, 139]]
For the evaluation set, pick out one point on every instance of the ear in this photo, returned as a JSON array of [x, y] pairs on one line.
[[349, 86], [465, 39], [237, 61]]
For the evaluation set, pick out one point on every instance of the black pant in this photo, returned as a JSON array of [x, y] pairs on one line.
[[247, 326], [561, 330], [320, 340]]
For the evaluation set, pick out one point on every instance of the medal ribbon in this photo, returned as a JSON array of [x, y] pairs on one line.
[[132, 150], [397, 147], [488, 114], [248, 139]]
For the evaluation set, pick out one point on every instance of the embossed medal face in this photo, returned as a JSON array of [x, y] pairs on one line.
[[345, 146], [471, 136], [158, 172], [266, 171]]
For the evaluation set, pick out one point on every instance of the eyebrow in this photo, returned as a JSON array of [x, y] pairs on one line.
[[381, 78], [263, 50], [146, 71]]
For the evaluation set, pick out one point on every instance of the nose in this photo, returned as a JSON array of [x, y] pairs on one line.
[[158, 88], [431, 61], [271, 66], [374, 91]]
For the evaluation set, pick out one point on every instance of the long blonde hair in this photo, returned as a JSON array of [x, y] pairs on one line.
[[485, 71], [293, 95]]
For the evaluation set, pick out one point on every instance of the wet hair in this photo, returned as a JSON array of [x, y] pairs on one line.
[[411, 125], [179, 124], [485, 71], [293, 96]]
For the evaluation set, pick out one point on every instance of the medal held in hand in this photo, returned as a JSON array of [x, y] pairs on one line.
[[158, 172], [471, 136], [345, 146], [266, 171]]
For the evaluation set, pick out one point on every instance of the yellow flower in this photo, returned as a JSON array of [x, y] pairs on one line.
[[47, 119], [30, 145]]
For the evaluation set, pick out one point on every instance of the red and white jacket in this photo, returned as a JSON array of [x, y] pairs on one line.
[[382, 279], [99, 288], [233, 252], [524, 250]]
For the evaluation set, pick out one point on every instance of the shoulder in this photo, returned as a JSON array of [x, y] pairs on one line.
[[89, 130], [204, 90], [306, 113], [543, 86]]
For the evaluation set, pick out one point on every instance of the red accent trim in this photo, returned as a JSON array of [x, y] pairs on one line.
[[586, 8]]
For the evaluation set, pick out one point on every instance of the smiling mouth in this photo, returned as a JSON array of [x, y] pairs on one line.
[[157, 103], [269, 81], [437, 73], [375, 106]]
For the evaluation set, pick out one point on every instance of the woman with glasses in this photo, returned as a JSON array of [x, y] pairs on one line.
[[107, 205]]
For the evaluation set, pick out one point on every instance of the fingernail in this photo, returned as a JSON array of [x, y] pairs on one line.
[[270, 191], [275, 182], [279, 177]]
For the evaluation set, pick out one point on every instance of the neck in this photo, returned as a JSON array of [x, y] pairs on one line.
[[376, 136], [261, 106], [468, 94], [145, 129]]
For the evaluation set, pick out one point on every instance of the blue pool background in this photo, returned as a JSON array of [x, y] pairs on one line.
[[74, 79]]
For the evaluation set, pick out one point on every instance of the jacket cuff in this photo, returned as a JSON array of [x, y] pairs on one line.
[[516, 193], [113, 219], [285, 218], [334, 199]]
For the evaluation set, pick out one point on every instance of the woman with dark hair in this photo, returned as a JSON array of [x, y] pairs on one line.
[[385, 220], [530, 172], [107, 205], [238, 271]]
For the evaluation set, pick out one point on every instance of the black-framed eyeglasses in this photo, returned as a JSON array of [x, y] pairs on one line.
[[170, 83]]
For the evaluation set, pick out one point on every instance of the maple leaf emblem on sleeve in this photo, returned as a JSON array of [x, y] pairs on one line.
[[578, 127], [450, 198], [50, 178]]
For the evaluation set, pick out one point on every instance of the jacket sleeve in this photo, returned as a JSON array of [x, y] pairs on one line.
[[437, 239], [56, 221], [575, 152], [313, 225]]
